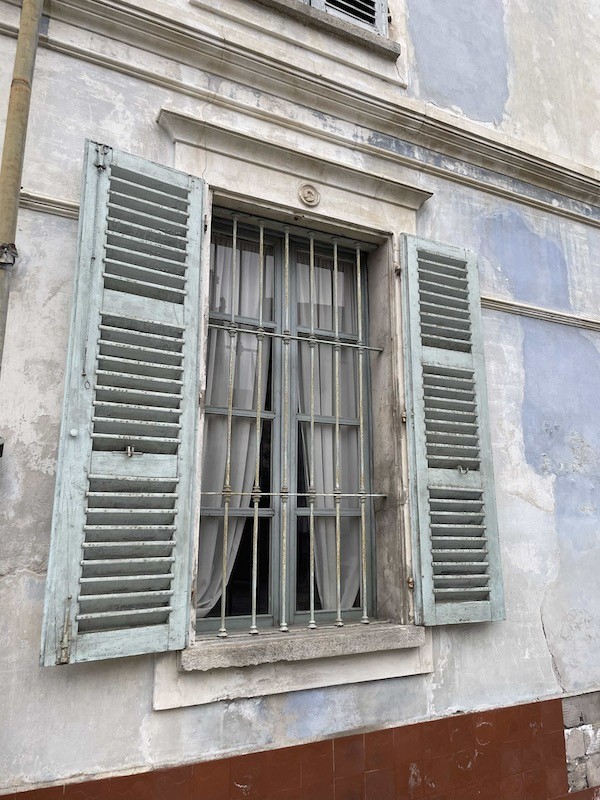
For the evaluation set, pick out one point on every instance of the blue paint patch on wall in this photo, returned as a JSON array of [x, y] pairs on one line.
[[461, 54], [562, 392], [535, 266], [562, 439]]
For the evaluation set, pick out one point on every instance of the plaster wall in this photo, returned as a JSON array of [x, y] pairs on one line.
[[528, 68], [91, 720]]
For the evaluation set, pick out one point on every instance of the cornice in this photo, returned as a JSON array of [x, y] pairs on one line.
[[269, 152], [267, 129], [473, 155]]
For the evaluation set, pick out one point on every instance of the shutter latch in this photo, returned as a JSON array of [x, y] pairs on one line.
[[102, 151], [64, 655]]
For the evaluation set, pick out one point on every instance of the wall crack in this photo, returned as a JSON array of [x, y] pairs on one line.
[[555, 668]]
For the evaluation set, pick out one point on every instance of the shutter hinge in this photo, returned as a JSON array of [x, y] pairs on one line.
[[397, 268], [102, 151], [410, 582], [205, 223], [64, 655], [403, 417]]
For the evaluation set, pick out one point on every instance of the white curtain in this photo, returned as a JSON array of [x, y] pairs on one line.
[[243, 444], [324, 443]]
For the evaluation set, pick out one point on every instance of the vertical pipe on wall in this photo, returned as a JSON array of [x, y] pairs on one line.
[[14, 148]]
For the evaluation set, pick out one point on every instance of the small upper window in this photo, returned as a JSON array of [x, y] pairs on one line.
[[370, 13]]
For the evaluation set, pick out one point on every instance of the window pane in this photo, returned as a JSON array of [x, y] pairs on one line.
[[324, 467], [243, 460], [324, 381], [324, 299], [325, 563], [239, 585], [246, 301], [245, 384]]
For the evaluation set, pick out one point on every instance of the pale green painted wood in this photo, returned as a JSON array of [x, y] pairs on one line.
[[423, 477], [62, 642]]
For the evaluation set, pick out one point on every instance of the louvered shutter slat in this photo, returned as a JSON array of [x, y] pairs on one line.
[[362, 10], [119, 575], [452, 498]]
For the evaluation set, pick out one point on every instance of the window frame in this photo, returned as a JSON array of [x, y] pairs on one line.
[[274, 236]]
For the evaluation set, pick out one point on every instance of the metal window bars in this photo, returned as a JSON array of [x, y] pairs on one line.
[[289, 337]]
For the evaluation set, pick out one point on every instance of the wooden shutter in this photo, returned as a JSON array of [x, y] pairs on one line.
[[119, 571], [457, 564]]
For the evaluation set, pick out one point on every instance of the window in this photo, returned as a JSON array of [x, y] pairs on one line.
[[370, 13], [286, 514], [125, 528]]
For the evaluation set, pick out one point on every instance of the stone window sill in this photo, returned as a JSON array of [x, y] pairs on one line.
[[347, 31], [242, 650], [275, 663]]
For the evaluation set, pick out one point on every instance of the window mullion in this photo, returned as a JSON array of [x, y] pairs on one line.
[[227, 482], [256, 494], [286, 400], [311, 458], [361, 444], [337, 466]]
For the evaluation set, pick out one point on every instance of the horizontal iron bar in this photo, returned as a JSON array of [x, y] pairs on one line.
[[296, 494], [333, 343]]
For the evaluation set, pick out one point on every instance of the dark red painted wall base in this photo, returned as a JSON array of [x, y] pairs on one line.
[[513, 753]]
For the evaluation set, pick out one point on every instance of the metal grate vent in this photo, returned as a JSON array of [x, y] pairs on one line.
[[362, 10], [444, 304], [451, 418], [146, 238], [459, 544]]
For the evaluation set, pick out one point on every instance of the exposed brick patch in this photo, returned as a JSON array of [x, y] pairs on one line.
[[581, 717]]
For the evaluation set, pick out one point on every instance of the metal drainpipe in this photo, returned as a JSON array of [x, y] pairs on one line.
[[15, 135], [14, 148]]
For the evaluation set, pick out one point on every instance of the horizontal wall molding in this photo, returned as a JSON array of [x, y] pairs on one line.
[[49, 205], [538, 312], [473, 156]]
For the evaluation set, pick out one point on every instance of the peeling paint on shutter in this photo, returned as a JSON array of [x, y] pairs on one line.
[[458, 577], [119, 571]]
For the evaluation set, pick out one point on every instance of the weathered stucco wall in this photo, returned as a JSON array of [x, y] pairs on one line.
[[529, 69], [544, 381]]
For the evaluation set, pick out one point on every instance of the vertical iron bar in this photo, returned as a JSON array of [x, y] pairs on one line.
[[286, 425], [311, 489], [361, 422], [233, 339], [256, 494], [337, 487]]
